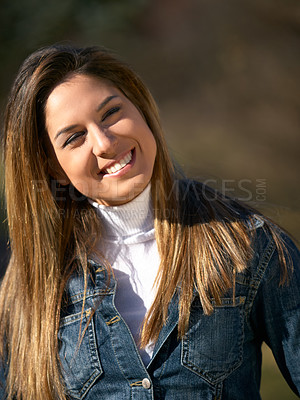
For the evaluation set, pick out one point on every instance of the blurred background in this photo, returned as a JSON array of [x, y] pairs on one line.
[[226, 78]]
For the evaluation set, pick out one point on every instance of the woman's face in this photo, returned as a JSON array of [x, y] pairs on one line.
[[100, 141]]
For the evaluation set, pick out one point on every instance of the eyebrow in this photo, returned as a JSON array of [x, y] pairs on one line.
[[105, 101], [71, 127]]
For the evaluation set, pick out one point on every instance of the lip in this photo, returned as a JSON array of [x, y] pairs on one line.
[[123, 170]]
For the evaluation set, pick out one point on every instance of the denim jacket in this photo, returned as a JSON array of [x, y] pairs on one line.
[[218, 358]]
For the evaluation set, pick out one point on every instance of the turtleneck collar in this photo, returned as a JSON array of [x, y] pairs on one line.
[[130, 222]]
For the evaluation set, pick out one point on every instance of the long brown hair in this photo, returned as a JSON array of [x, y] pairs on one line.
[[201, 239]]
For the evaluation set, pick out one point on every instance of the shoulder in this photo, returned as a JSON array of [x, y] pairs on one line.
[[269, 242], [274, 270], [272, 245]]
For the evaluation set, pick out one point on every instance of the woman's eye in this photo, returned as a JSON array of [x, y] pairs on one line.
[[73, 138], [110, 112]]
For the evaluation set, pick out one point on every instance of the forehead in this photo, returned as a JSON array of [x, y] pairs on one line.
[[79, 85], [77, 95]]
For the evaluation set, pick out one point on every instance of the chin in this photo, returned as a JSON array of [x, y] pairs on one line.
[[123, 196]]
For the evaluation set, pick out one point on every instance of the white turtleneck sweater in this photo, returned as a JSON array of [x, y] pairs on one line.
[[129, 245]]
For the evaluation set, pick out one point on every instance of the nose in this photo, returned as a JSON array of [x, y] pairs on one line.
[[103, 143]]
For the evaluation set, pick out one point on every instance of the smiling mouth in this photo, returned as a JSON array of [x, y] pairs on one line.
[[118, 165]]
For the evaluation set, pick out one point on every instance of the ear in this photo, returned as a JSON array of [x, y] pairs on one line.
[[55, 170]]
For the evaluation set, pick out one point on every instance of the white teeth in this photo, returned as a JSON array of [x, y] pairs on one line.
[[119, 165]]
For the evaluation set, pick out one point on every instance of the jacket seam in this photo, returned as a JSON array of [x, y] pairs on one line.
[[258, 276]]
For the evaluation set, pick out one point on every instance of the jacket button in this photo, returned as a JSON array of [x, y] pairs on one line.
[[146, 383]]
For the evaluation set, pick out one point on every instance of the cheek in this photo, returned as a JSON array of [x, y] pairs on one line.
[[153, 147], [69, 166], [55, 169], [73, 162]]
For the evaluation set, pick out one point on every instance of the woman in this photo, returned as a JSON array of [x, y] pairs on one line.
[[126, 282]]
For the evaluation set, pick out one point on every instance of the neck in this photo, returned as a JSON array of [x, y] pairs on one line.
[[128, 219]]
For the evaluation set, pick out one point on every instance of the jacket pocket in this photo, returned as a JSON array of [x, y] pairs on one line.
[[78, 353], [213, 344]]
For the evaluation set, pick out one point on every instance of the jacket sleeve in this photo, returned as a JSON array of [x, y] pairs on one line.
[[2, 381], [276, 309]]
